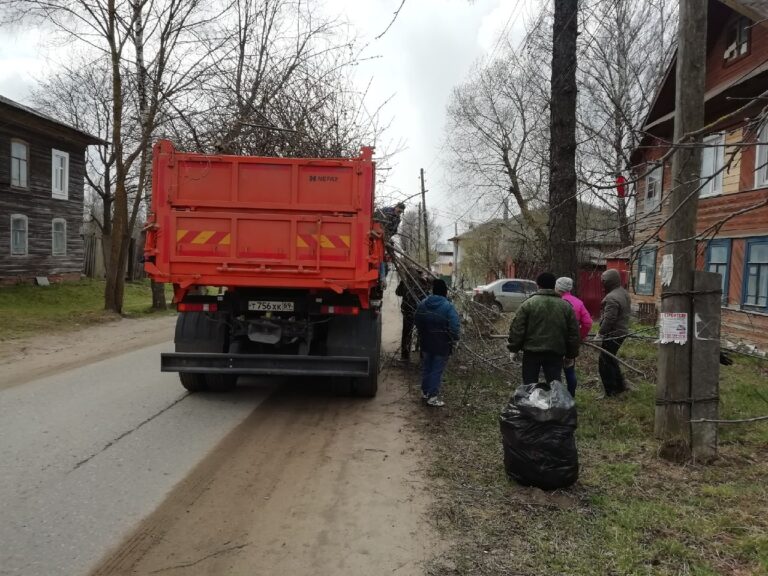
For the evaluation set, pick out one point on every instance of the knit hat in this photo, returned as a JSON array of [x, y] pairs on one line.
[[546, 280], [611, 279], [564, 284], [439, 287]]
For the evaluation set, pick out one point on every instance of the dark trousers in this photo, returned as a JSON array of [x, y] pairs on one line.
[[406, 339], [432, 366], [570, 378], [610, 370], [534, 362]]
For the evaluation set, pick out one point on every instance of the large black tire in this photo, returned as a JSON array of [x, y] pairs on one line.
[[203, 332], [367, 387], [357, 336]]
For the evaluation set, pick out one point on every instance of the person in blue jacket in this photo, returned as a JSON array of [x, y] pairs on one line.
[[438, 325]]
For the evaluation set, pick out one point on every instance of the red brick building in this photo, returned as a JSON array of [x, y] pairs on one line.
[[733, 204]]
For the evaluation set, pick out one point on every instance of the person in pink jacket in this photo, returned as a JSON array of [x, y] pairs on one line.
[[563, 286]]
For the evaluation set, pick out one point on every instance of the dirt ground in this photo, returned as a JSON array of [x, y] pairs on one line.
[[37, 356], [307, 484]]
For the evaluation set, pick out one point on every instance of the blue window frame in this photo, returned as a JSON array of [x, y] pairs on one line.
[[646, 271], [719, 262], [754, 294]]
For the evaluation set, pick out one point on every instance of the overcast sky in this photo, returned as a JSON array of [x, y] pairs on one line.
[[428, 50]]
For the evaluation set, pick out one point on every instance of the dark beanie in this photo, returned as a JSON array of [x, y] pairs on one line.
[[439, 287], [546, 280]]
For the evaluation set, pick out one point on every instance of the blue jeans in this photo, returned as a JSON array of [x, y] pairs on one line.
[[570, 378], [432, 367]]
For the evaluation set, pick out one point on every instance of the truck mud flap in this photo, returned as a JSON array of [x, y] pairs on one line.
[[264, 364]]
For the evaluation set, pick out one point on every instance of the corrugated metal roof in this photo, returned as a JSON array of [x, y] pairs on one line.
[[90, 138]]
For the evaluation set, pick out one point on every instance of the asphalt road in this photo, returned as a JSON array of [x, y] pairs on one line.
[[87, 453], [108, 467]]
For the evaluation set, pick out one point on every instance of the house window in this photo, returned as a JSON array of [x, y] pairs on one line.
[[718, 261], [19, 163], [653, 186], [761, 158], [60, 174], [18, 235], [737, 41], [756, 273], [59, 237], [712, 166], [646, 271]]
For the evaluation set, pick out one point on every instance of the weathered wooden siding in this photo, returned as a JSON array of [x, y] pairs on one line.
[[732, 158], [37, 204], [742, 327], [752, 223], [718, 70]]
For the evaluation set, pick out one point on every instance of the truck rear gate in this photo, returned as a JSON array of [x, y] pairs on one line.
[[270, 222]]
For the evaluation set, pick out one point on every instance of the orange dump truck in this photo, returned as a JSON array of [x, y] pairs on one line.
[[275, 264]]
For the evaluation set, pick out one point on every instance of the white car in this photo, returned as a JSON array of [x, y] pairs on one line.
[[508, 293]]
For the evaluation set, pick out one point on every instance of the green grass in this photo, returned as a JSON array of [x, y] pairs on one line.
[[630, 513], [28, 310]]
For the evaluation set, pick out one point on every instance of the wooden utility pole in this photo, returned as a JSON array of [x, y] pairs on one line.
[[418, 234], [424, 214], [675, 385], [562, 143]]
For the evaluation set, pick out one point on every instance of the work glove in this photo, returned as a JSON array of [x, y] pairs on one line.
[[568, 362], [515, 357]]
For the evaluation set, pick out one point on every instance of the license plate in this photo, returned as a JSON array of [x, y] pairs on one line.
[[269, 306]]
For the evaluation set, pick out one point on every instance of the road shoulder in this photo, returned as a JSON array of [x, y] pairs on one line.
[[29, 358]]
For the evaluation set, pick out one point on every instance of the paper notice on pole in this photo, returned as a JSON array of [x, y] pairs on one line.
[[673, 327], [667, 269]]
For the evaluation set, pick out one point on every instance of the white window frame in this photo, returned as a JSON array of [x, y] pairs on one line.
[[714, 186], [63, 251], [761, 158], [14, 218], [658, 174], [741, 40], [25, 160], [62, 193]]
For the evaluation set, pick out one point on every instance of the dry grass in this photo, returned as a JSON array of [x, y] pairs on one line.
[[630, 513]]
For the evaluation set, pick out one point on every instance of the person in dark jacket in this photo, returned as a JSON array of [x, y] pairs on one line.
[[546, 331], [389, 216], [438, 325], [614, 327], [412, 292]]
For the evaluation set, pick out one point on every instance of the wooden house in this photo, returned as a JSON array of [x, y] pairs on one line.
[[42, 168], [732, 223]]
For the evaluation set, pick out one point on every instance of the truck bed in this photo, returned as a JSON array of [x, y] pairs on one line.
[[219, 220]]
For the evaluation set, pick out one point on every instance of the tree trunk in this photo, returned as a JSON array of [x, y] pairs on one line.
[[562, 148], [158, 296]]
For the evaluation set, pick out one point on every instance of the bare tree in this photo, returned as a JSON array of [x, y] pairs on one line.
[[411, 234], [149, 62], [625, 47], [496, 139], [278, 85]]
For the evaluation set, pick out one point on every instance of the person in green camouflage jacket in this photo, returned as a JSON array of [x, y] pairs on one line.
[[545, 329]]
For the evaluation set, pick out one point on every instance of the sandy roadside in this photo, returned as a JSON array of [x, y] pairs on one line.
[[33, 357]]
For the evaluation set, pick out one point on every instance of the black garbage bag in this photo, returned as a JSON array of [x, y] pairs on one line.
[[538, 428]]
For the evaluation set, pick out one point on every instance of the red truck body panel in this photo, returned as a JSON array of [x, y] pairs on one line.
[[244, 221]]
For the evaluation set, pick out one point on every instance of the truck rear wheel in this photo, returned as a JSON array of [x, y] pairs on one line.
[[203, 332], [358, 336], [368, 386]]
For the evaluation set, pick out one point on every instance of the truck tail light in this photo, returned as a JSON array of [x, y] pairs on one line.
[[196, 307], [352, 310]]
